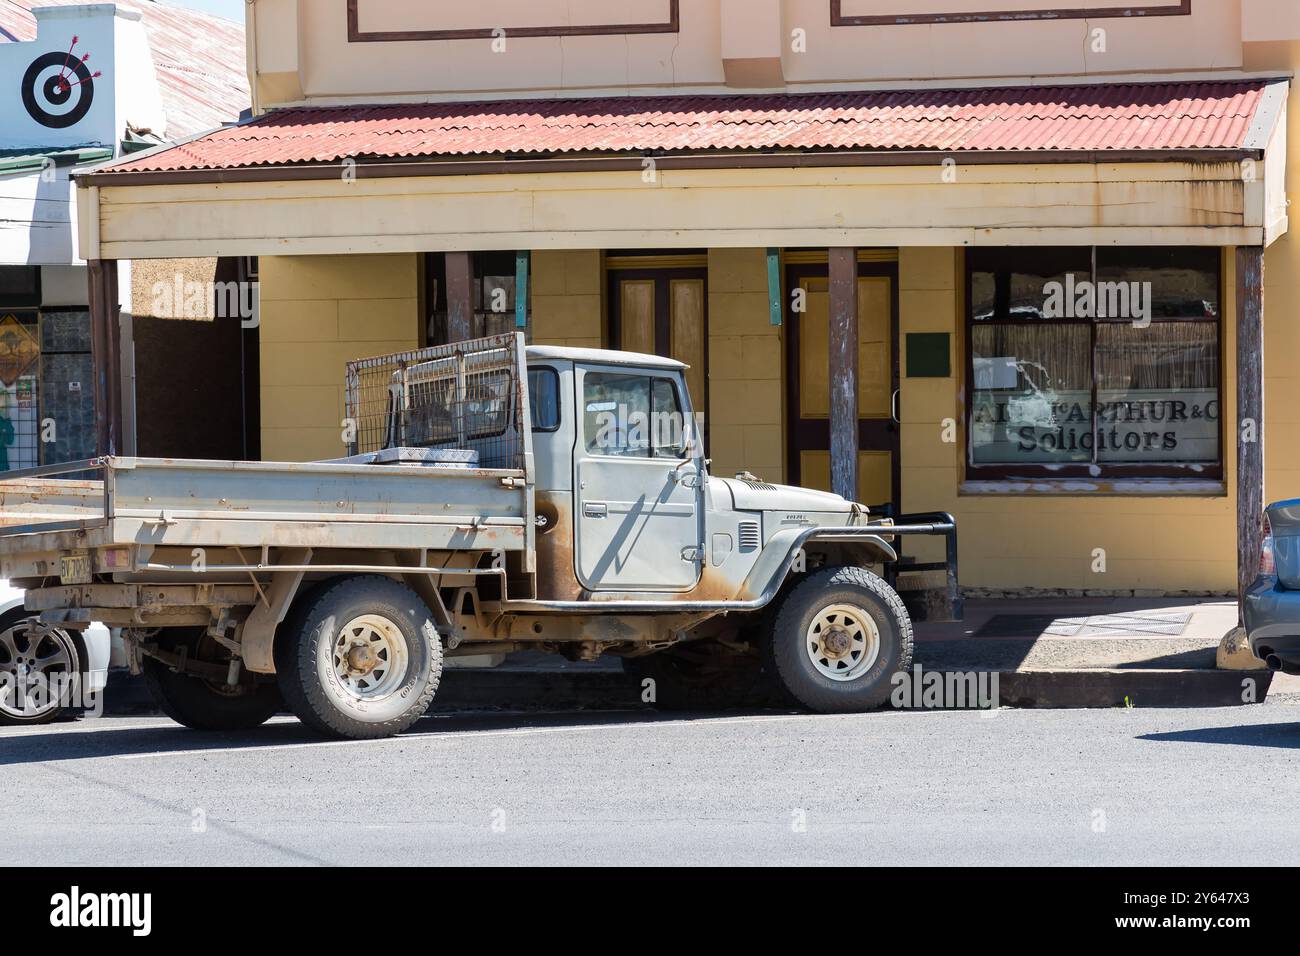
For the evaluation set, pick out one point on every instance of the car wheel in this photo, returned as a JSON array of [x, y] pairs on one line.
[[838, 639], [360, 659], [40, 671]]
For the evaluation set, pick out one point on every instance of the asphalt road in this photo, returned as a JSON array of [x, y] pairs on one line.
[[1140, 787]]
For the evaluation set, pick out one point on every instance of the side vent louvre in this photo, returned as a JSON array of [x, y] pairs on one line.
[[750, 539]]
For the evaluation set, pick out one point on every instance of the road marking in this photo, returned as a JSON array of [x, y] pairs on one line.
[[256, 748], [465, 735], [88, 726]]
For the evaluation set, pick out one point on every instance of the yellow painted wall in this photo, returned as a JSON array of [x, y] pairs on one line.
[[746, 381], [317, 313], [1282, 305], [930, 407], [567, 298]]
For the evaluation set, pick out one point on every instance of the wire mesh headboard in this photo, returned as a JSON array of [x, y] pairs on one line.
[[466, 396]]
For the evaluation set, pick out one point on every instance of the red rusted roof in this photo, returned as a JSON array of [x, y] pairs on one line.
[[201, 60], [1096, 117]]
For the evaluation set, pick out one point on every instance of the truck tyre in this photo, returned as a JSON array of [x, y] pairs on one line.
[[361, 658], [837, 640], [35, 682], [208, 705]]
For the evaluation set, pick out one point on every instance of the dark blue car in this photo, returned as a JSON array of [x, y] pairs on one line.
[[1272, 607]]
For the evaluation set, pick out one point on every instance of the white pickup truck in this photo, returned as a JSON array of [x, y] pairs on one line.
[[499, 497]]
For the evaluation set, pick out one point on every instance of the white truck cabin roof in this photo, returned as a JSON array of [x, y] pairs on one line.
[[603, 357]]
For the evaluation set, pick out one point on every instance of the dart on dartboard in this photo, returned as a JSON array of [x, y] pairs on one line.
[[67, 60], [65, 85]]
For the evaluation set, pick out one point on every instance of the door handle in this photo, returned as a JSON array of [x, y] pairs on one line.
[[595, 509], [893, 406]]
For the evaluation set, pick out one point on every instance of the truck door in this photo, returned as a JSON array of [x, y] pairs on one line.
[[637, 482]]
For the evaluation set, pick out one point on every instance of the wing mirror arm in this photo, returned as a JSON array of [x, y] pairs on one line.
[[692, 480]]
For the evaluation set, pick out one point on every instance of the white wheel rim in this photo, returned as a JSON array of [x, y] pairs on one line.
[[842, 642], [30, 663], [370, 657]]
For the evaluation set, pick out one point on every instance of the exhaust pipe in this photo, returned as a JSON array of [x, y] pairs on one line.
[[1288, 662]]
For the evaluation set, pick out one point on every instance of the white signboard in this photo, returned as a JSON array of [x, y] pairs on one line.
[[56, 90], [1134, 427]]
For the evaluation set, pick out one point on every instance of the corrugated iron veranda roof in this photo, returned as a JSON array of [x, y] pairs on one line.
[[1095, 117]]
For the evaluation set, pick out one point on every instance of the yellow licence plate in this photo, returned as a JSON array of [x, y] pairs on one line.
[[74, 568]]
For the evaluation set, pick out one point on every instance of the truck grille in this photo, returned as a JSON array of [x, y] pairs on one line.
[[749, 536]]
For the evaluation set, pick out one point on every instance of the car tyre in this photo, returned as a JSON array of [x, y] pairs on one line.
[[57, 652]]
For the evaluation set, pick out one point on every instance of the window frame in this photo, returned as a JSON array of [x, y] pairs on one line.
[[650, 375], [1098, 471], [554, 376]]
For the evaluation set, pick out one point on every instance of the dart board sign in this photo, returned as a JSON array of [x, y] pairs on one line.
[[58, 89]]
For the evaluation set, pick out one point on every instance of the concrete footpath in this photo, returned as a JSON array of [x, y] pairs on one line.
[[1058, 652], [1096, 652]]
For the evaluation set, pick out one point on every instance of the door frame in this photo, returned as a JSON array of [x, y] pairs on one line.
[[663, 315], [581, 455], [873, 434]]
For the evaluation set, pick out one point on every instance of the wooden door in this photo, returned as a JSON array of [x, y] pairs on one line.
[[809, 375], [664, 311]]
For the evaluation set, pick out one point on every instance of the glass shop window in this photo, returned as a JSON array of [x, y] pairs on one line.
[[1094, 363], [495, 302]]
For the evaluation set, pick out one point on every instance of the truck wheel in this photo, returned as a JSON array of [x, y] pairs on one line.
[[209, 705], [838, 639], [36, 672], [361, 658]]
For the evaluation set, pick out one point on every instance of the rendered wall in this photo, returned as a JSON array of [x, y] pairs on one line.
[[746, 380], [568, 298], [1282, 287], [304, 50], [317, 313]]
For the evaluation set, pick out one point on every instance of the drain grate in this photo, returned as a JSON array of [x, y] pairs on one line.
[[1129, 624]]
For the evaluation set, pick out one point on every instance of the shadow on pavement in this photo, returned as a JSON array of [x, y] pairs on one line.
[[1285, 736], [77, 742]]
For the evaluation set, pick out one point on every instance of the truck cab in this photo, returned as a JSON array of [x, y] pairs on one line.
[[626, 506]]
